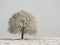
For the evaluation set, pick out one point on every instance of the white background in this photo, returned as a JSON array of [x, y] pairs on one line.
[[47, 13]]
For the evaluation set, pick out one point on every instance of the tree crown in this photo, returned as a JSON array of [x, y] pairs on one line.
[[22, 19]]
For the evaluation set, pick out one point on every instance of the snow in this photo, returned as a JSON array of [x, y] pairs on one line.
[[45, 41]]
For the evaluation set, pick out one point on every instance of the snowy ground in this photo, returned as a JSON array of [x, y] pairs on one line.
[[45, 41]]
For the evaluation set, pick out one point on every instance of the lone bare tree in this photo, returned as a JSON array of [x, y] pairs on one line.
[[22, 22]]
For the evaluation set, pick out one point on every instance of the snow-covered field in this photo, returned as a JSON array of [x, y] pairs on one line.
[[45, 41]]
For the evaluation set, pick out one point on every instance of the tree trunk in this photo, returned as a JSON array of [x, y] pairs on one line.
[[22, 33]]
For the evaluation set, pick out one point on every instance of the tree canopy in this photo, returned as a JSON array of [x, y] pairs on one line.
[[22, 19]]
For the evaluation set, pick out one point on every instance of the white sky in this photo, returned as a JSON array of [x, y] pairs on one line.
[[47, 13]]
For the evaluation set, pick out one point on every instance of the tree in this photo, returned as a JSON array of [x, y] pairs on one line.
[[22, 22]]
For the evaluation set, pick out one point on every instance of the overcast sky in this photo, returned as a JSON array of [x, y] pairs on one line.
[[47, 13]]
